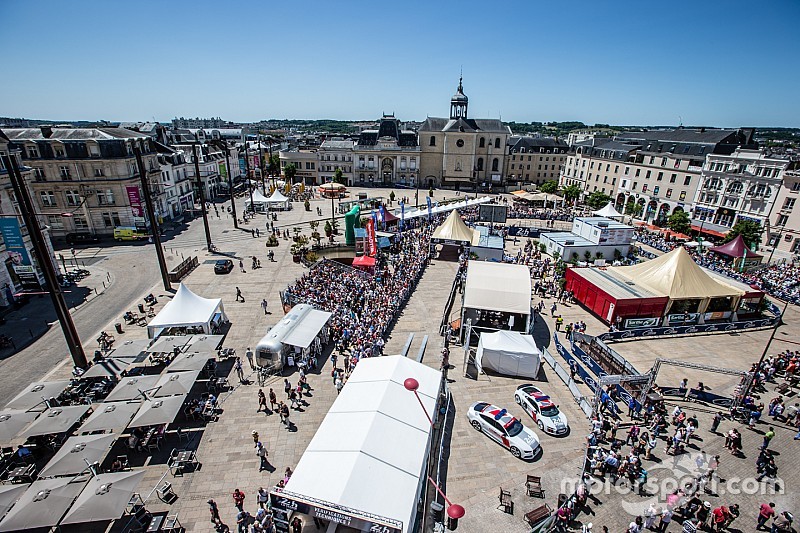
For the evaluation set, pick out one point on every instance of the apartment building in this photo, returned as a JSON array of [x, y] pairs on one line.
[[176, 176], [211, 161], [336, 154], [87, 179], [741, 186], [783, 229], [534, 160]]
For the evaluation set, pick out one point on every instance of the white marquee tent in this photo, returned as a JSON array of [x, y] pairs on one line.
[[413, 213], [187, 309], [509, 353], [259, 203], [278, 201], [609, 212], [498, 287]]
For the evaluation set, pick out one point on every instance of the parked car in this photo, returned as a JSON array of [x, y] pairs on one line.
[[82, 238], [223, 266], [542, 409], [500, 426]]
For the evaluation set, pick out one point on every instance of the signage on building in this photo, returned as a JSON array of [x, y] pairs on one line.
[[223, 170], [135, 200], [641, 322], [242, 166], [285, 504], [682, 318], [18, 253]]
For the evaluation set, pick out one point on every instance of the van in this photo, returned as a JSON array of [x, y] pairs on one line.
[[129, 234]]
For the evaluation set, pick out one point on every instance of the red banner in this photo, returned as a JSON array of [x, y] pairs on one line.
[[135, 201], [372, 242]]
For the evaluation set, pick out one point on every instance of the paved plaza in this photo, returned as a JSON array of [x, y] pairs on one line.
[[477, 468]]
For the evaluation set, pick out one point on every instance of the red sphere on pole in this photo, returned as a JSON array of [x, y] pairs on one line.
[[411, 384], [456, 511]]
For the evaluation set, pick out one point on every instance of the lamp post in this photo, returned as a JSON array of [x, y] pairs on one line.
[[224, 145], [247, 171], [454, 510], [156, 232], [202, 194]]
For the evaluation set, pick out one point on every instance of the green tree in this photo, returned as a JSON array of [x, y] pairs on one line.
[[549, 186], [290, 171], [633, 208], [572, 192], [598, 199], [679, 222], [337, 176], [587, 255], [274, 167], [750, 230]]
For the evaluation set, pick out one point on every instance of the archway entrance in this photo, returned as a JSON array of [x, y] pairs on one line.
[[620, 203], [387, 170]]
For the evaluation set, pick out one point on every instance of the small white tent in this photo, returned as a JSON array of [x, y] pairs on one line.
[[609, 212], [509, 353], [278, 201], [259, 203], [188, 309]]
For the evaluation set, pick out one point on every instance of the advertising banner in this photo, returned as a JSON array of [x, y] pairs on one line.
[[223, 170], [135, 200], [516, 231], [641, 322], [15, 246], [242, 166], [429, 207], [371, 241]]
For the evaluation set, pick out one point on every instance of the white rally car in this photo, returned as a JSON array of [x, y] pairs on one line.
[[500, 426], [542, 409]]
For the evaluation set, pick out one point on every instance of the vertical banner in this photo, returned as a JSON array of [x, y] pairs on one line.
[[242, 166], [382, 211], [371, 242], [223, 170], [402, 215], [15, 246], [429, 208], [135, 199]]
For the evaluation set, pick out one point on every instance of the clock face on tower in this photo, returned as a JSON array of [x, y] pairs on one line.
[[460, 143]]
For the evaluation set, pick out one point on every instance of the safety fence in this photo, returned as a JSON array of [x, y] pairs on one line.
[[563, 374]]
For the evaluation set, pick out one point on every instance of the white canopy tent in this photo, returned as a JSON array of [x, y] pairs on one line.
[[187, 309], [609, 211], [43, 504], [278, 200], [509, 353], [259, 203], [413, 213], [498, 287], [304, 333], [369, 453]]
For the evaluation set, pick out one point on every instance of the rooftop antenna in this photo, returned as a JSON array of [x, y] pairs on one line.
[[680, 121]]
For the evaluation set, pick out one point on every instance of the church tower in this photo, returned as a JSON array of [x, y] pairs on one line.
[[458, 103]]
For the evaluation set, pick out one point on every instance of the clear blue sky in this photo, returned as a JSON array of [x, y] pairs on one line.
[[722, 63]]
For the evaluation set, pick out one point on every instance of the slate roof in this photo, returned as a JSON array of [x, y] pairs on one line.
[[72, 134], [709, 136], [533, 143], [337, 145], [488, 125]]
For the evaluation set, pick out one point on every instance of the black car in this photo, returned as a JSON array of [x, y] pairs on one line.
[[223, 266], [82, 238]]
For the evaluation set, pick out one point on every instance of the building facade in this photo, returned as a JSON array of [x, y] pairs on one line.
[[463, 153], [305, 162], [534, 160], [783, 230], [387, 156], [87, 179], [177, 180], [336, 154]]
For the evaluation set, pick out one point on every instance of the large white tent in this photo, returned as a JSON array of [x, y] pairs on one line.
[[369, 453], [187, 309], [278, 200], [609, 212], [509, 353], [259, 203], [498, 287]]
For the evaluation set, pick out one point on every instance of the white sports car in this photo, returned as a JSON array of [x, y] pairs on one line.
[[500, 426], [542, 409]]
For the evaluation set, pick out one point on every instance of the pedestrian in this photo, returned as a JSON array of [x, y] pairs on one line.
[[254, 434], [241, 266], [263, 498], [339, 384], [559, 322], [264, 305], [573, 370], [239, 294], [631, 407], [293, 399], [666, 518], [242, 521], [273, 399], [214, 510], [783, 523], [262, 454], [767, 438], [765, 512], [249, 355], [284, 410], [238, 499], [716, 421], [258, 233], [297, 525], [553, 310], [239, 371], [287, 387], [262, 401], [253, 233]]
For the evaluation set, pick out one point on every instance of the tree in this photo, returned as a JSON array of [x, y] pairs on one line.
[[633, 208], [549, 186], [598, 199], [337, 176], [572, 192], [750, 231], [679, 222], [290, 171], [587, 255], [274, 167]]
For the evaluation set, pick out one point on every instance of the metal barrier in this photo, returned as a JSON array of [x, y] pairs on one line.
[[421, 352], [580, 399], [180, 271]]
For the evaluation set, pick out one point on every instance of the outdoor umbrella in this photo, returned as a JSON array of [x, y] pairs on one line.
[[131, 388], [112, 416], [56, 420], [176, 383], [158, 411], [35, 394], [189, 361], [43, 504], [104, 498], [168, 343], [9, 494], [204, 343], [107, 367], [131, 350], [12, 422], [77, 454]]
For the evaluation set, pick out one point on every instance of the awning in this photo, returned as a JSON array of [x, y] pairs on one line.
[[113, 416], [104, 498], [189, 361], [107, 367], [12, 422], [130, 350], [56, 420], [309, 327], [364, 261], [131, 388], [34, 395], [708, 231], [43, 504], [9, 494], [176, 383], [158, 411], [167, 343], [77, 453]]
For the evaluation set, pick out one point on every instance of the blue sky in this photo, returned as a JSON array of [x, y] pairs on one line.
[[709, 62]]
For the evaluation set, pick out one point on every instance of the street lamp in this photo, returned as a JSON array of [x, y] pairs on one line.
[[454, 511]]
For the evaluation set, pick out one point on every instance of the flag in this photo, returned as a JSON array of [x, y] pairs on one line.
[[428, 198], [375, 218], [371, 241], [402, 215], [383, 214]]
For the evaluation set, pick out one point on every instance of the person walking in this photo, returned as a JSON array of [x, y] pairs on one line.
[[262, 497], [238, 499], [262, 401], [765, 512], [264, 305], [339, 384], [293, 399], [239, 294], [287, 387], [284, 410], [241, 266], [249, 355], [214, 510], [262, 453], [666, 518], [239, 371], [768, 436], [715, 422], [273, 400]]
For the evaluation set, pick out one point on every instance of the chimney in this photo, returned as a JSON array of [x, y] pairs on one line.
[[47, 131]]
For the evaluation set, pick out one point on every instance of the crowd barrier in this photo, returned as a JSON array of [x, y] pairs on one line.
[[698, 395], [587, 378], [590, 363], [581, 400], [180, 271]]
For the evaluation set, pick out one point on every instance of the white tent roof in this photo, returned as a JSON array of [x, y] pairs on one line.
[[72, 456], [56, 420], [309, 327], [32, 395], [129, 388], [453, 229], [277, 198], [42, 505], [158, 411], [510, 353], [368, 453], [104, 498], [608, 211], [13, 421], [413, 213], [113, 416], [186, 309], [498, 287], [258, 198]]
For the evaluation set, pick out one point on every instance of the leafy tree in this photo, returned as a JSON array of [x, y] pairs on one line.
[[617, 255], [598, 199], [587, 255], [633, 208], [274, 167], [337, 176], [679, 222], [290, 171], [572, 192], [549, 186], [750, 230]]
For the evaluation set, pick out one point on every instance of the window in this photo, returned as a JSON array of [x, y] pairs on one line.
[[655, 189], [111, 219], [669, 193], [647, 176], [98, 173], [48, 198], [663, 161], [682, 195], [789, 203], [672, 178], [73, 198], [638, 171], [735, 187], [80, 222], [495, 163], [644, 188], [627, 170], [660, 176], [105, 197], [33, 152], [652, 159], [782, 219], [482, 143], [59, 152], [432, 141], [480, 163], [497, 143], [38, 174], [796, 186], [55, 222], [64, 171], [687, 180]]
